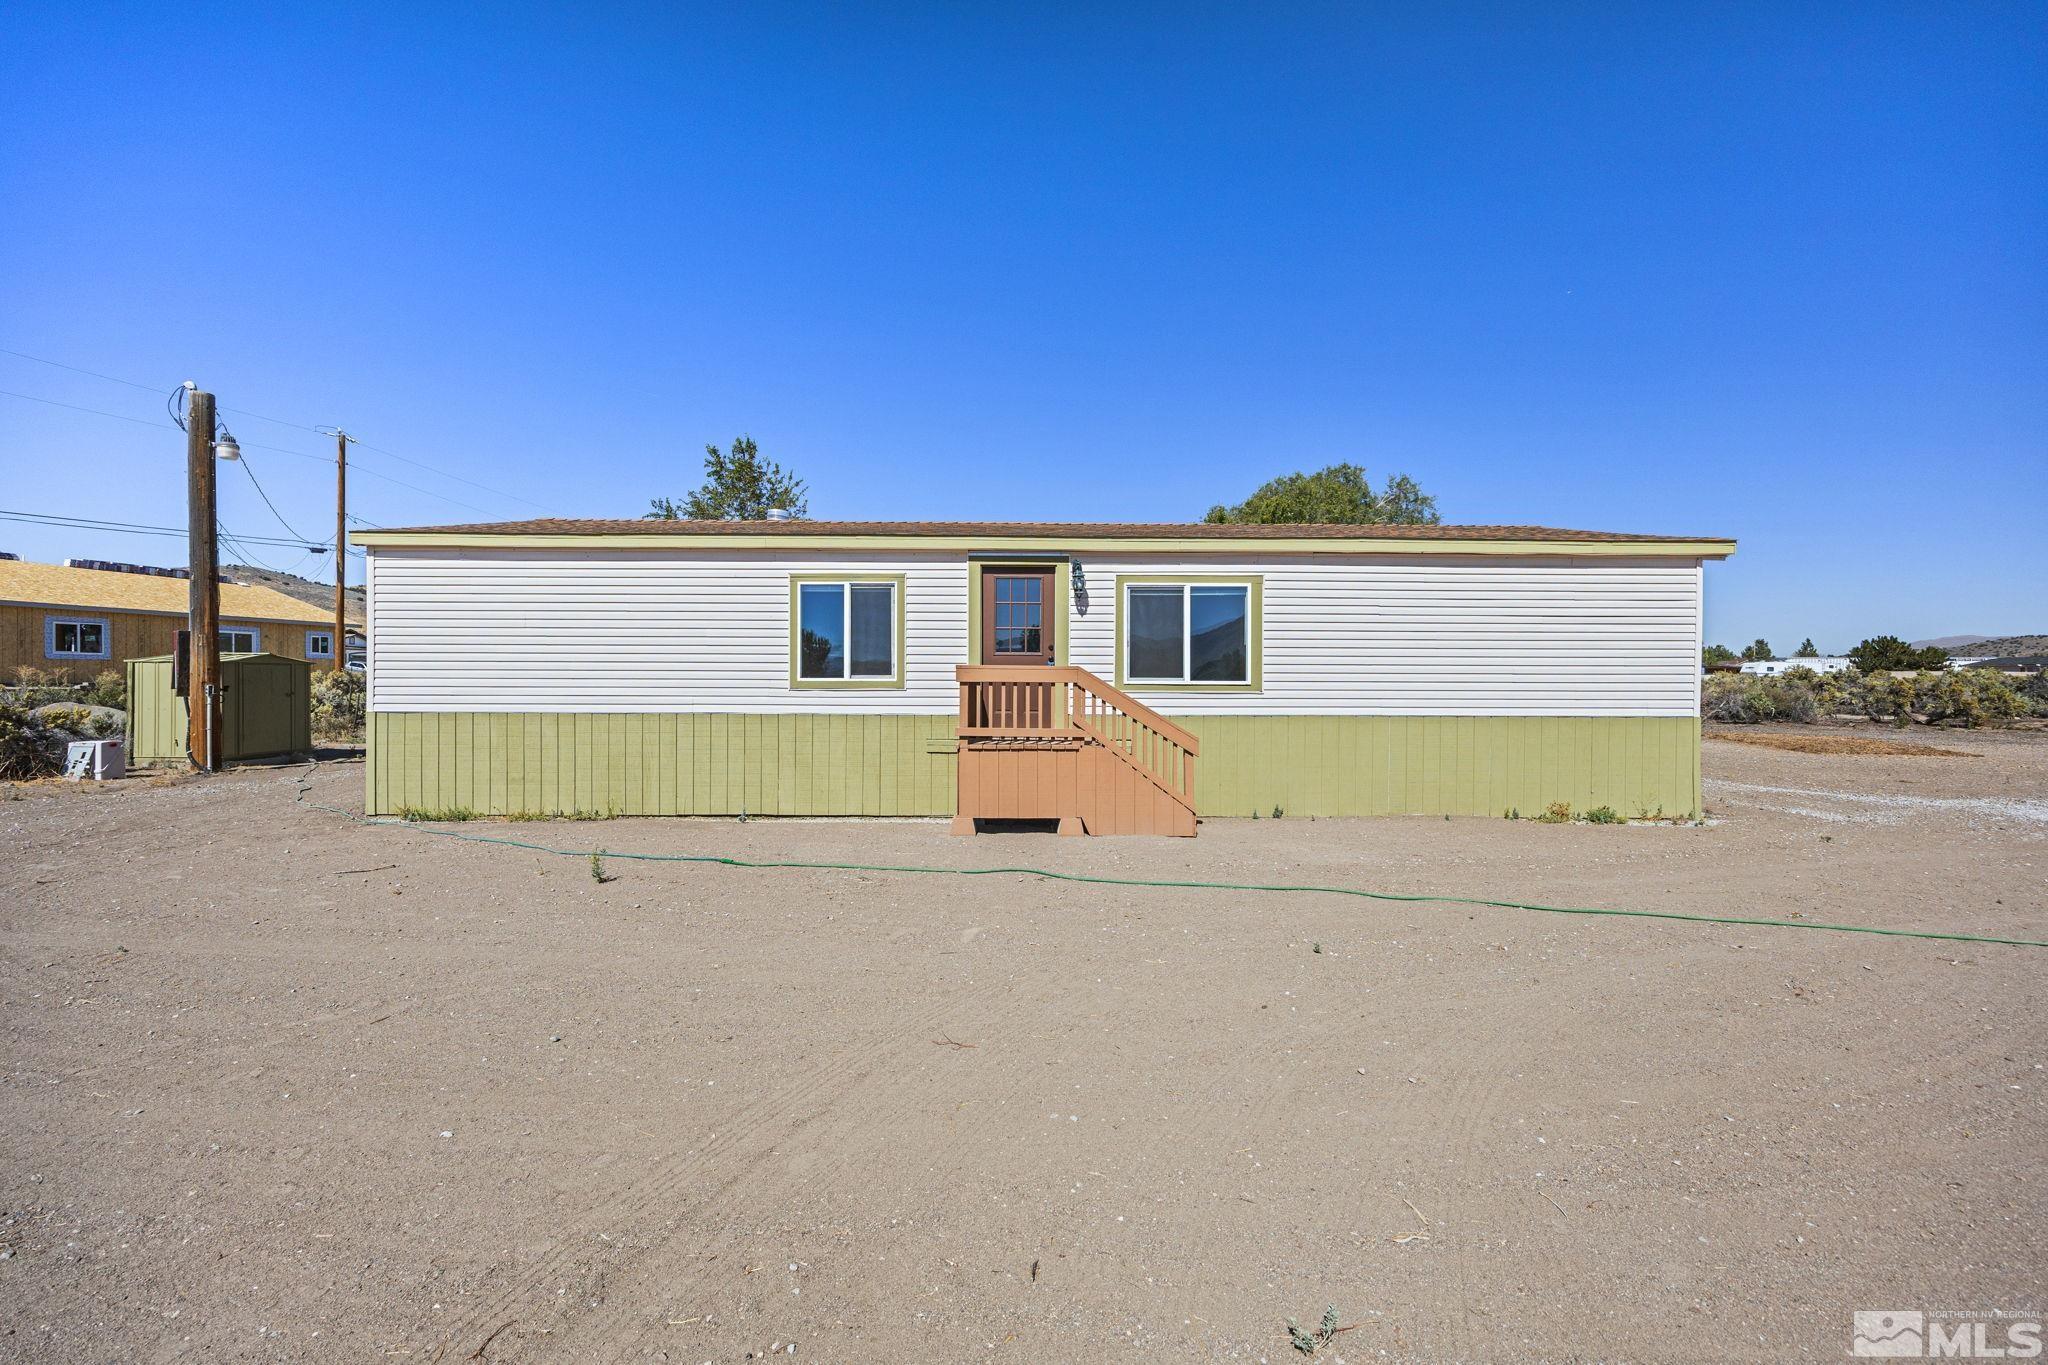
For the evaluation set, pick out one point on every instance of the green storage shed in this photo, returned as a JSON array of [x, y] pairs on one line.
[[266, 709]]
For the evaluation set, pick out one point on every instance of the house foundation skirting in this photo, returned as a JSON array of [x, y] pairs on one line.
[[845, 764]]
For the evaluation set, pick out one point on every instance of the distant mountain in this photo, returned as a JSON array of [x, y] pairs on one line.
[[2009, 646], [1951, 642], [291, 585]]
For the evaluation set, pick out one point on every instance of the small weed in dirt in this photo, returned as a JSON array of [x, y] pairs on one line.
[[1511, 813], [606, 814], [437, 814], [1603, 815], [1309, 1342], [522, 816], [597, 872], [1278, 812], [1556, 813], [1316, 948]]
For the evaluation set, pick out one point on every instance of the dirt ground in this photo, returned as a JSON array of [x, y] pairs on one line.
[[282, 1086]]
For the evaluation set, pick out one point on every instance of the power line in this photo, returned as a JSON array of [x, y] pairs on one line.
[[40, 360], [299, 426], [102, 412], [244, 462], [134, 528], [364, 445], [252, 445]]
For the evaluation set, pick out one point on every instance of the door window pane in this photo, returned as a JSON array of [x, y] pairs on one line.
[[1155, 633], [874, 630], [1019, 623], [1218, 628], [822, 619]]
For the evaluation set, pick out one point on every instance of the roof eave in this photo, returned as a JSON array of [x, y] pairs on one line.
[[1705, 548]]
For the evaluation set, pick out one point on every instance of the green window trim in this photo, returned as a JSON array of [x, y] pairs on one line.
[[800, 683], [1057, 610], [1255, 619]]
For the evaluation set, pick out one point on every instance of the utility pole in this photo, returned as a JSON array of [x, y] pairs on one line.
[[341, 440], [203, 599]]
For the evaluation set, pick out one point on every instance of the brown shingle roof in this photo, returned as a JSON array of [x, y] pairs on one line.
[[1027, 530], [55, 585]]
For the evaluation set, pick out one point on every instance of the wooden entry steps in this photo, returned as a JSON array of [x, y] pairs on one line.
[[1058, 743]]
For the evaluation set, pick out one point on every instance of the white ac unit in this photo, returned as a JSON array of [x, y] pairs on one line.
[[99, 759]]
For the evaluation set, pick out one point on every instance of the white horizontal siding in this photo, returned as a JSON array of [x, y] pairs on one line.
[[535, 630], [1426, 635], [528, 630]]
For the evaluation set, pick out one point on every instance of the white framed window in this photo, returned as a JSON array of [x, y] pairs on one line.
[[846, 630], [1197, 632], [241, 639], [319, 644], [77, 637]]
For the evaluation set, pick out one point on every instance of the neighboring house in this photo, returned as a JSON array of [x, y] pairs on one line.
[[1771, 668], [77, 623], [829, 668]]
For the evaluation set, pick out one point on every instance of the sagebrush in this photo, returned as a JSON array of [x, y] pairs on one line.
[[28, 746], [339, 696], [1964, 697]]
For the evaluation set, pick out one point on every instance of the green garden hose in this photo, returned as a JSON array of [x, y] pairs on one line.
[[1092, 880]]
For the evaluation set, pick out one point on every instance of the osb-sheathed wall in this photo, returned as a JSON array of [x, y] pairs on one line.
[[850, 764], [133, 635]]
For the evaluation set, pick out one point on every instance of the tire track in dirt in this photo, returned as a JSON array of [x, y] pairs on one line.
[[844, 1084], [1460, 1075], [833, 1075], [874, 1105]]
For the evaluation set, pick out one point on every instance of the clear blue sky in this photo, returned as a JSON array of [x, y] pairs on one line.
[[1776, 272]]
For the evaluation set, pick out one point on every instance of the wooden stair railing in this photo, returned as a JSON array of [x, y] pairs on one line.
[[1060, 743]]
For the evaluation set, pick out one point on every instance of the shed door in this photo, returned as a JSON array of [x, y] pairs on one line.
[[1015, 625], [263, 721]]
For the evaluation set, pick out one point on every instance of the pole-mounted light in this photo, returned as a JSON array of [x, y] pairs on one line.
[[226, 447]]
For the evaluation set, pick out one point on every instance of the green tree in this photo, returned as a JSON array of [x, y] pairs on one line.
[[1717, 654], [1890, 654], [1339, 494], [1806, 650], [738, 486], [1758, 651]]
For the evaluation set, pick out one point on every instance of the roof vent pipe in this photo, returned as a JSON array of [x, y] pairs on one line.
[[778, 514]]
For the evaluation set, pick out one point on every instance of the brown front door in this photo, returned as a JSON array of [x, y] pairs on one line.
[[1016, 616]]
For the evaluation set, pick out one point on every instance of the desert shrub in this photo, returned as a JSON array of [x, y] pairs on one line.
[[1604, 815], [338, 704], [109, 688], [28, 747], [33, 687], [1878, 696], [1556, 813], [2033, 693], [72, 720], [1746, 699], [1967, 697]]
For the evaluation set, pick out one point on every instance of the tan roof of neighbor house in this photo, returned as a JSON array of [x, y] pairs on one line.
[[1049, 530], [53, 585]]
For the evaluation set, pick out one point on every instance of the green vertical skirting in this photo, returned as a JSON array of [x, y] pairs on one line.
[[835, 763], [646, 764], [1445, 765]]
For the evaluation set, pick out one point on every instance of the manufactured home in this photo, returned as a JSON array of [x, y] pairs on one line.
[[1114, 677], [74, 623]]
